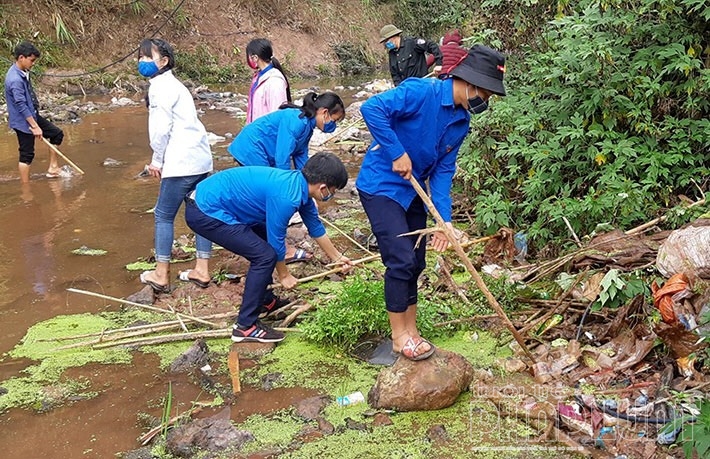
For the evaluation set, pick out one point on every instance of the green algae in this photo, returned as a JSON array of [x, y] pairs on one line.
[[323, 368], [471, 431], [274, 431], [168, 352], [480, 347], [43, 344]]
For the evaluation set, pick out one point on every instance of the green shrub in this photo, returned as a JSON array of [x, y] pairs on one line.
[[607, 124], [359, 311]]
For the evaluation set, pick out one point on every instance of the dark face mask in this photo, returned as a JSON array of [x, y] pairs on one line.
[[476, 105]]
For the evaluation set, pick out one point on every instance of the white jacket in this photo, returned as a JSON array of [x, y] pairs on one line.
[[177, 137]]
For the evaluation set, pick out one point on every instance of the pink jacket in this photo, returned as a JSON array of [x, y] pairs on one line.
[[269, 94]]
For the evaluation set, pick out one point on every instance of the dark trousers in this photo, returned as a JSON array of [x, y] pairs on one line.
[[27, 141], [404, 263], [250, 243]]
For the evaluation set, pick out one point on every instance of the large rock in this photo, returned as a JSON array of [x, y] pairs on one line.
[[429, 384], [195, 357], [211, 434]]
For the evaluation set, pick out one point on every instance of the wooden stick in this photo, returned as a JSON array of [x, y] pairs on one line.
[[660, 219], [345, 234], [56, 150], [222, 315], [331, 271], [291, 317], [471, 269], [144, 306], [223, 333], [571, 230], [104, 339], [233, 365]]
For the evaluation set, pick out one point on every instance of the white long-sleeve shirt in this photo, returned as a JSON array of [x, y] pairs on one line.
[[177, 136]]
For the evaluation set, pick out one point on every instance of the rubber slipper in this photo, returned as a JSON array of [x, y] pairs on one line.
[[409, 350], [299, 256], [185, 277], [52, 174], [157, 288]]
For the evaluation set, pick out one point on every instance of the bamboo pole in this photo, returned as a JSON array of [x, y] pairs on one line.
[[144, 306], [56, 150], [345, 234], [331, 271], [223, 333], [472, 270], [222, 315], [105, 339]]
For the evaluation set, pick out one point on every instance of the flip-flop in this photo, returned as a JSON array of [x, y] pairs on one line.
[[185, 277], [157, 288], [299, 255], [52, 174], [409, 350]]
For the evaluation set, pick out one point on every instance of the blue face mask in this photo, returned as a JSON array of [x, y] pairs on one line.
[[329, 127], [327, 197], [148, 68], [389, 45]]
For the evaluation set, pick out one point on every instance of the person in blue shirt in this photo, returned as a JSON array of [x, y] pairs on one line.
[[280, 139], [417, 130], [246, 210], [23, 112]]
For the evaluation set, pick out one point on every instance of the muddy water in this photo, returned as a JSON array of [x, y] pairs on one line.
[[40, 225]]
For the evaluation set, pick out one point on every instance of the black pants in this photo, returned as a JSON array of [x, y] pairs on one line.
[[27, 141]]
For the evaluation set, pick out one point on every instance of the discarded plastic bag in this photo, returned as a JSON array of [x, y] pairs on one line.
[[665, 298], [686, 251]]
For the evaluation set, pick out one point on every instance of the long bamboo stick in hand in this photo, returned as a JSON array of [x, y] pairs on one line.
[[56, 150], [471, 269]]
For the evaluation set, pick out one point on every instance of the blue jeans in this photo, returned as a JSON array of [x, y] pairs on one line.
[[404, 263], [249, 242], [172, 193]]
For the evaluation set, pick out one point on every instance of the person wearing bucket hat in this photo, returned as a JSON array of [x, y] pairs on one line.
[[407, 55], [417, 130]]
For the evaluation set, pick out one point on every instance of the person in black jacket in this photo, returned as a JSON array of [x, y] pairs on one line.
[[407, 55]]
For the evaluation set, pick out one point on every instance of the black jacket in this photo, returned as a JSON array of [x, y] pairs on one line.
[[409, 60]]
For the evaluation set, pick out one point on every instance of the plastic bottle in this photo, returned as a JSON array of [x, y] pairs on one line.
[[350, 399]]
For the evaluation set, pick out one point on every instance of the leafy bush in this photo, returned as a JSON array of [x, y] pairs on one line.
[[358, 311], [608, 123], [203, 66], [354, 58], [505, 24]]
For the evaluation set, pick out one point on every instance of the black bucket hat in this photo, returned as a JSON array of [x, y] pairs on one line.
[[483, 67]]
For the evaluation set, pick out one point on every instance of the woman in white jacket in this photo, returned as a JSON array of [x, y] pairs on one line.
[[181, 159]]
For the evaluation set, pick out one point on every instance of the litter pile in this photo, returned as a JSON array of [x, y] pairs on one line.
[[619, 356]]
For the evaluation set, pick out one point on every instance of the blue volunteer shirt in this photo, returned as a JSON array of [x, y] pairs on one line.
[[260, 195], [417, 117], [19, 99], [274, 139]]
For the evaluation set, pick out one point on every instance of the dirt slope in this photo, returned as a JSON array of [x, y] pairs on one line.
[[103, 31]]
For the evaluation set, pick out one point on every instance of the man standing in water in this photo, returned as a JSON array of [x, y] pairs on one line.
[[23, 112], [417, 130]]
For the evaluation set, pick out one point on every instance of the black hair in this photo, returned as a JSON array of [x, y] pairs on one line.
[[325, 167], [26, 49], [312, 102], [164, 50], [261, 47]]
